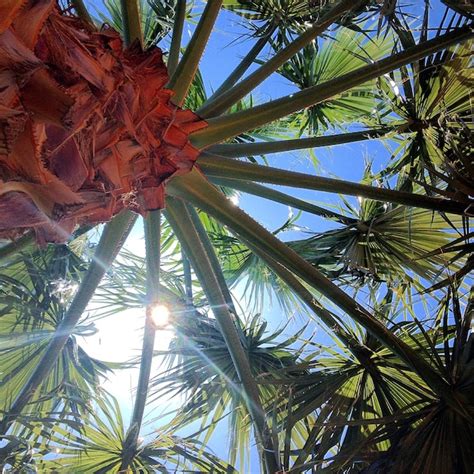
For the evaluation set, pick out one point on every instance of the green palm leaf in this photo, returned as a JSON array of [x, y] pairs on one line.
[[99, 446], [32, 306], [322, 61]]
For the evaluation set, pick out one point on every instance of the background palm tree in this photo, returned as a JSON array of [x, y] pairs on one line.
[[392, 382]]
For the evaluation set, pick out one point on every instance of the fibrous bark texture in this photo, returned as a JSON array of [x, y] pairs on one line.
[[86, 126]]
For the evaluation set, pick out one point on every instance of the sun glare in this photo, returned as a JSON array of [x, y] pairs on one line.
[[160, 315], [234, 200]]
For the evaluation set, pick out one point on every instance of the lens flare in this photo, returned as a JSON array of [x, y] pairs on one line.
[[160, 316]]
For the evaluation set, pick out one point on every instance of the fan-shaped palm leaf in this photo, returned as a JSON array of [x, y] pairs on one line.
[[100, 445], [32, 306], [322, 61], [200, 368], [440, 100]]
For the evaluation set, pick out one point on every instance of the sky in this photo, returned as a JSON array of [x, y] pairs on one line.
[[123, 331]]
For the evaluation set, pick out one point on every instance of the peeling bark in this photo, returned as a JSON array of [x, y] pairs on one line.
[[86, 126]]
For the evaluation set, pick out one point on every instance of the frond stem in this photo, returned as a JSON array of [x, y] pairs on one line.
[[231, 125], [277, 196], [246, 62], [237, 150], [217, 105], [229, 169], [153, 246], [186, 224], [184, 74], [131, 21], [175, 47], [194, 188]]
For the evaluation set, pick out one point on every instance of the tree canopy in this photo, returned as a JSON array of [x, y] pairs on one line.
[[336, 337]]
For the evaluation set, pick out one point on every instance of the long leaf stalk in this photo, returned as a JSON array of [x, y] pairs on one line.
[[230, 125], [175, 46], [113, 236], [188, 282], [229, 169], [132, 31], [131, 20], [358, 350], [185, 223], [132, 28], [17, 245], [82, 11], [286, 199], [183, 76], [237, 150], [353, 345], [217, 105], [152, 244], [194, 188], [245, 63], [214, 262]]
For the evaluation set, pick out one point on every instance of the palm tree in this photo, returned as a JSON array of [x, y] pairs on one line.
[[96, 126]]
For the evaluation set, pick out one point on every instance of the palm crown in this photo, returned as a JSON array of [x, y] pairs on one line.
[[96, 126]]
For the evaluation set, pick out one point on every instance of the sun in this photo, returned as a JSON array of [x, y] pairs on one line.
[[160, 316], [119, 339]]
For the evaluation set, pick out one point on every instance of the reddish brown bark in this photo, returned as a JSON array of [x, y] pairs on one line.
[[86, 127]]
